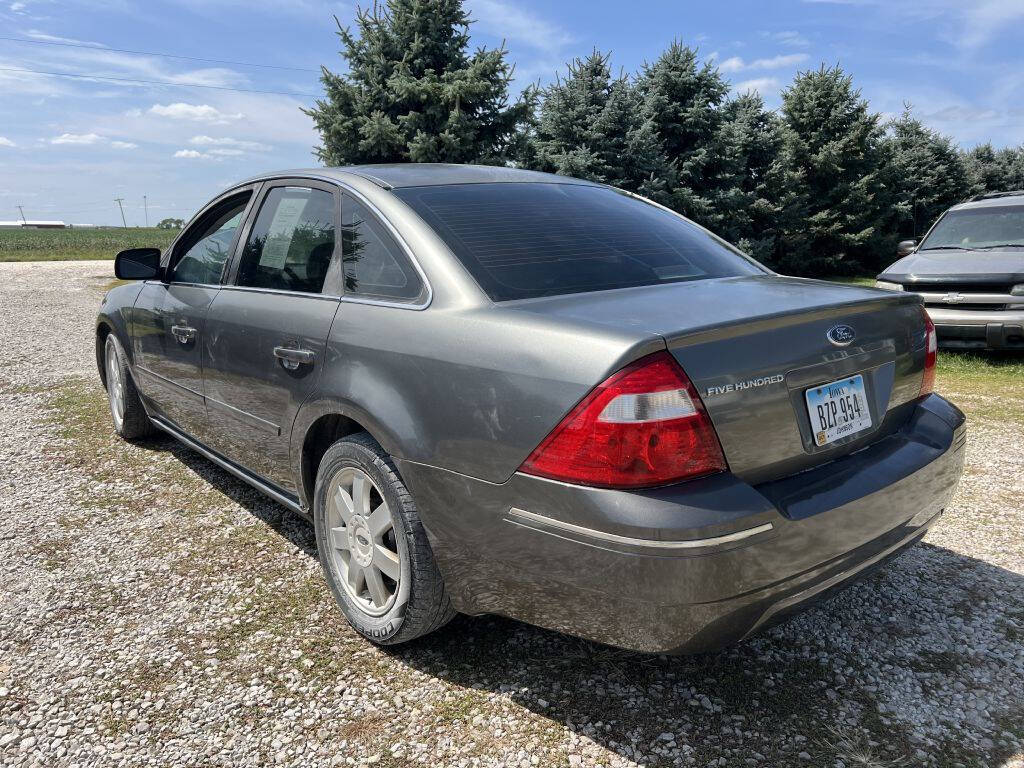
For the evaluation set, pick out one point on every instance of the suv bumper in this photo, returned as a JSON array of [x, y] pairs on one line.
[[971, 329], [691, 567]]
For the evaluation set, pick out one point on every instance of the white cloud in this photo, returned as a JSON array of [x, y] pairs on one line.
[[17, 7], [961, 113], [124, 145], [737, 64], [968, 25], [37, 35], [988, 17], [5, 142], [227, 141], [191, 154], [766, 86], [200, 113], [225, 152], [512, 22], [788, 37], [77, 138]]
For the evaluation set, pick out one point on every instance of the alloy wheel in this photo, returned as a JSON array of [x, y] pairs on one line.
[[115, 385], [363, 545]]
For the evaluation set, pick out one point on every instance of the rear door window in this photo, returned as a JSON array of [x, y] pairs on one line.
[[521, 240], [374, 264], [291, 244]]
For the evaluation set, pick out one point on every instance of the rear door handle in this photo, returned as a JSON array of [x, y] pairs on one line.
[[183, 333], [292, 358]]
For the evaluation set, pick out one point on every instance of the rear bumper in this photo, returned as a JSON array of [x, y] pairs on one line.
[[694, 566], [971, 329]]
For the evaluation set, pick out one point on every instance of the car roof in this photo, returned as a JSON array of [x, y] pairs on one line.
[[1009, 198], [398, 175]]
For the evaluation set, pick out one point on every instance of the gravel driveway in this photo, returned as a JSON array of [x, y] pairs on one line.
[[155, 611]]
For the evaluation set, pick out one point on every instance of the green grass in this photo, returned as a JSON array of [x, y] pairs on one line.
[[77, 244], [987, 386], [987, 368]]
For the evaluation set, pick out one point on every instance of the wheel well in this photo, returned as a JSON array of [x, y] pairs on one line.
[[323, 433], [102, 331]]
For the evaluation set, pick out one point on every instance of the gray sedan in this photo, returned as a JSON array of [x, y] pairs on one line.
[[498, 391]]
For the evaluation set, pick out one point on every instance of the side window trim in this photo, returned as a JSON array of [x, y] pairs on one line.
[[170, 258], [382, 220], [230, 277]]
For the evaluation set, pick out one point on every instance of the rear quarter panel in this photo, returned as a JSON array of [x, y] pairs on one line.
[[473, 391]]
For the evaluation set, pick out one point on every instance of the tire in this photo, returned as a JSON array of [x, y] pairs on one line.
[[389, 540], [126, 411]]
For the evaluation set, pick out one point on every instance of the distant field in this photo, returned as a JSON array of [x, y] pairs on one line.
[[77, 244]]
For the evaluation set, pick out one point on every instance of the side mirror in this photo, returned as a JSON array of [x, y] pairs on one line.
[[137, 264], [905, 247]]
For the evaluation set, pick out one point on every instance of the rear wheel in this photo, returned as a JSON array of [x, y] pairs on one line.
[[126, 410], [372, 546]]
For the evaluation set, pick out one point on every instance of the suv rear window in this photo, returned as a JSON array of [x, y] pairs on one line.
[[521, 240]]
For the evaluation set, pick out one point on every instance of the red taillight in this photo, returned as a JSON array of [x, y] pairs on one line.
[[643, 426], [931, 350]]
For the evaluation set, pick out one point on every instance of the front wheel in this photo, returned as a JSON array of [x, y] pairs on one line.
[[126, 409], [372, 546]]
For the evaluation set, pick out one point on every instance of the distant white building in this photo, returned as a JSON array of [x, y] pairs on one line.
[[32, 224]]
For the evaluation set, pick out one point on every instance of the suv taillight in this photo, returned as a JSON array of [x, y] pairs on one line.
[[643, 426], [931, 350]]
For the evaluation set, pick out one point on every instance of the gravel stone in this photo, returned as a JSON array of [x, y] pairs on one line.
[[157, 612]]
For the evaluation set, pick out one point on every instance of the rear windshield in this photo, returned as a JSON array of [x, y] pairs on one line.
[[534, 239], [998, 226]]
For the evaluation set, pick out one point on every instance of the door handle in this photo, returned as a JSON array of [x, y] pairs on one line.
[[293, 358], [183, 333]]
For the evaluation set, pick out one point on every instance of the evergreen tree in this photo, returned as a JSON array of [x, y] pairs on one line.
[[832, 142], [413, 92], [1013, 162], [760, 186], [925, 174], [590, 126], [990, 170], [682, 100]]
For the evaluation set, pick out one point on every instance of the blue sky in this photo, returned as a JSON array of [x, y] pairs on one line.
[[68, 146]]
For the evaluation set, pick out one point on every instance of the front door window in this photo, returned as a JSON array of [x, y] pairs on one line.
[[206, 247]]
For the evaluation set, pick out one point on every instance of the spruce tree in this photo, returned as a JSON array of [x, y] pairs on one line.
[[925, 174], [991, 170], [590, 126], [413, 92], [682, 100], [832, 143], [757, 190]]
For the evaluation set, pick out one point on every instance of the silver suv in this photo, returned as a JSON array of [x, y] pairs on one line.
[[969, 269]]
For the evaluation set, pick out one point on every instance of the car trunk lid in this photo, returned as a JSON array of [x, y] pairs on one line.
[[753, 346], [754, 373]]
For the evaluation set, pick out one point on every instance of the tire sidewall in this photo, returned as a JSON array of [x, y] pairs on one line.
[[352, 453]]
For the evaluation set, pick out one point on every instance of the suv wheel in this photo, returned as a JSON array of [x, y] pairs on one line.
[[372, 546], [126, 410]]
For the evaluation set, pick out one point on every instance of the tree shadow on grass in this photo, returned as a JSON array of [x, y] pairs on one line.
[[882, 674]]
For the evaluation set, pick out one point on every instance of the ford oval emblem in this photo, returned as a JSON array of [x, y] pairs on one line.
[[841, 335]]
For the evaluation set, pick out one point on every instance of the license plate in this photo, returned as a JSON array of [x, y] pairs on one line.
[[838, 409]]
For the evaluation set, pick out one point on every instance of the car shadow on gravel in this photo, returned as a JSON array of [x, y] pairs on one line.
[[283, 521], [919, 636], [821, 688]]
